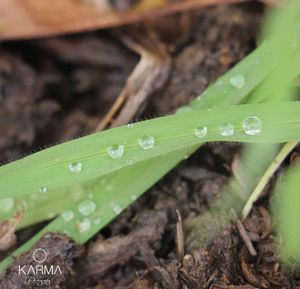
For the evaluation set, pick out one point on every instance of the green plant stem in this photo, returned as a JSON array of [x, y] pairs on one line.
[[283, 153]]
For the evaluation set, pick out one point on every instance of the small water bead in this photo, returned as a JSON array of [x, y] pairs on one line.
[[129, 162], [84, 225], [201, 131], [133, 197], [130, 125], [6, 205], [75, 168], [117, 209], [68, 215], [252, 125], [226, 129], [43, 190], [86, 207], [146, 142], [97, 221], [115, 151], [238, 81]]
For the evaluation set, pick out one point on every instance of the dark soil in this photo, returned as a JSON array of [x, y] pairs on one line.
[[55, 89]]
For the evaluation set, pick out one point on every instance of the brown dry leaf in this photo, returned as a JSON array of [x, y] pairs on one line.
[[36, 18], [7, 231]]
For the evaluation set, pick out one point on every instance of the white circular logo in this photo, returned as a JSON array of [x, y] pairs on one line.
[[39, 255]]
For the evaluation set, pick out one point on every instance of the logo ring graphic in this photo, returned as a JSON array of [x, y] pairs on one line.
[[39, 255]]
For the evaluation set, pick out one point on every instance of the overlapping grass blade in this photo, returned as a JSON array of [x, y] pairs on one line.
[[255, 67], [49, 168], [256, 158]]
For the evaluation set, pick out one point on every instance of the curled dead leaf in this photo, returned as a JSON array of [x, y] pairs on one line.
[[7, 231], [36, 18]]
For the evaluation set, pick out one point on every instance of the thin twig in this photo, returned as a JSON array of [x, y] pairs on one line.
[[245, 238]]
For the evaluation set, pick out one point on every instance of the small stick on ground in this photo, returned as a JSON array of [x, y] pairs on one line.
[[245, 237], [179, 237]]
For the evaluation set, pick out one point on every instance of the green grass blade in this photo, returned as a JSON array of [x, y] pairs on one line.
[[49, 168], [253, 66], [256, 159], [287, 216], [108, 205], [264, 180]]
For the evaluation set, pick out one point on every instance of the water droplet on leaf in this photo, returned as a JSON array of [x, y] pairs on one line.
[[117, 209], [146, 142], [201, 131], [97, 221], [226, 129], [86, 207], [238, 81], [43, 190], [252, 125], [67, 215], [75, 168], [115, 151], [84, 225]]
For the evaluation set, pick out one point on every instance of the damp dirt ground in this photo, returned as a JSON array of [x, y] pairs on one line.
[[56, 89]]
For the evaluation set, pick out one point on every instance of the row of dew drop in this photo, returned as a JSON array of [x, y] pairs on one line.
[[86, 208], [251, 126]]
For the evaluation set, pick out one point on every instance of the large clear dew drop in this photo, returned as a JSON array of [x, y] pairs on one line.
[[117, 209], [115, 151], [43, 190], [86, 207], [201, 131], [84, 225], [226, 129], [75, 167], [238, 81], [252, 125], [68, 215], [146, 142]]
